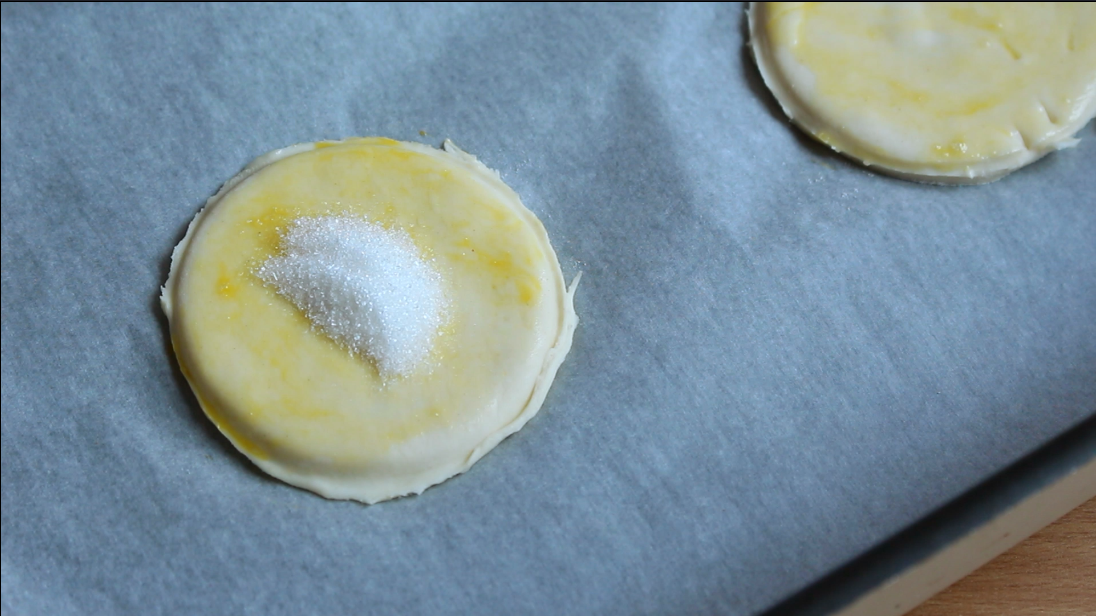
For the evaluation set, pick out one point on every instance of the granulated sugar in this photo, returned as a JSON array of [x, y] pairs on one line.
[[363, 285]]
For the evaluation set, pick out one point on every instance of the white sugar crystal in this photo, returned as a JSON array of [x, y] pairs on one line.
[[363, 285]]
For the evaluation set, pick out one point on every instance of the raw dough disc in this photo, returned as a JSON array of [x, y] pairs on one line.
[[303, 408]]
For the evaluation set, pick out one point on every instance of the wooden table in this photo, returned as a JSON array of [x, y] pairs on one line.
[[1053, 572]]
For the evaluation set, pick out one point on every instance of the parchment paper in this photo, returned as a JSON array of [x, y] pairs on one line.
[[783, 358]]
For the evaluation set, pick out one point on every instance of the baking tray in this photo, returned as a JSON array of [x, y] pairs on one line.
[[784, 361]]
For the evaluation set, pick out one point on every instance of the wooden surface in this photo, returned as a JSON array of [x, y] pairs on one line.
[[1053, 572]]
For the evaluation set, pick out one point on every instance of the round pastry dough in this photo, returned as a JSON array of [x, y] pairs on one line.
[[299, 405], [938, 92]]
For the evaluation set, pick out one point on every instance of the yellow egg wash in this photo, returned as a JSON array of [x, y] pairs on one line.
[[320, 416], [933, 88], [242, 441]]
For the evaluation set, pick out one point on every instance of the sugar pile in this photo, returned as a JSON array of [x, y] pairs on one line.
[[363, 285]]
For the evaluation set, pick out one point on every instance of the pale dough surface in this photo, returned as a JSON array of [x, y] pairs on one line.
[[939, 92], [303, 408]]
